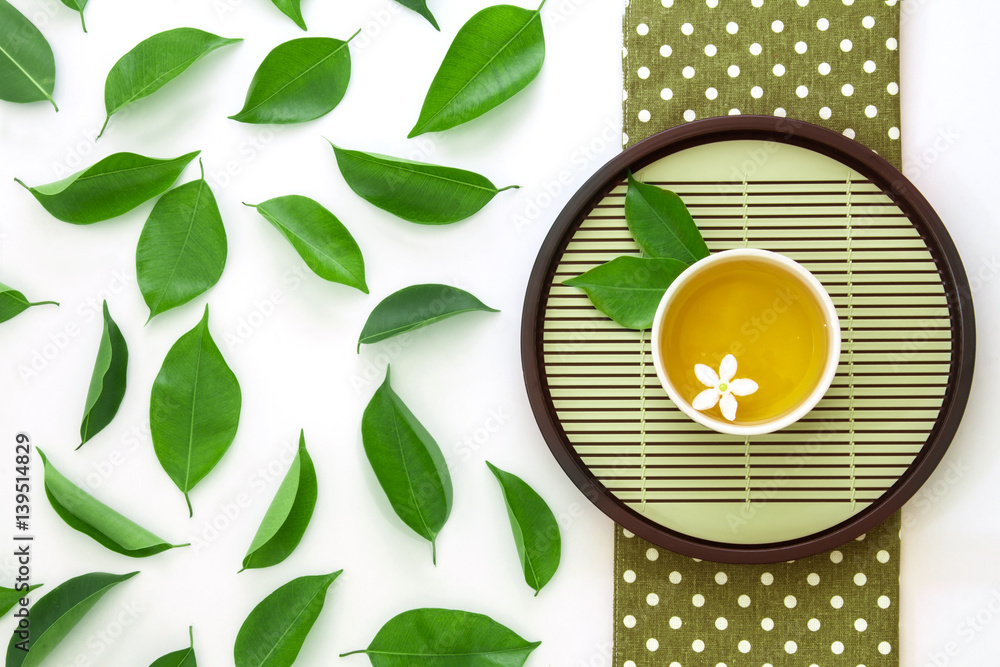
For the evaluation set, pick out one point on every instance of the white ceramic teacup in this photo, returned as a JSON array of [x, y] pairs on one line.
[[831, 325]]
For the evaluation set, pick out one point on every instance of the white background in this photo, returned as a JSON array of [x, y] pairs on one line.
[[290, 336]]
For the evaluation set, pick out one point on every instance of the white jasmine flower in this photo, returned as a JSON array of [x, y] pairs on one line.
[[724, 388]]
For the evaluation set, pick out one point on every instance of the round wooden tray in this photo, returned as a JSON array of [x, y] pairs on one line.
[[902, 385]]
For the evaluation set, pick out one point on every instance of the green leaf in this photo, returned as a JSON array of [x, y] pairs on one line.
[[408, 464], [293, 10], [78, 6], [415, 307], [182, 248], [107, 383], [113, 186], [27, 66], [322, 241], [273, 633], [495, 55], [194, 408], [154, 62], [661, 224], [182, 658], [298, 81], [12, 596], [427, 194], [439, 637], [420, 7], [288, 516], [82, 512], [55, 615], [629, 289], [13, 303], [536, 531]]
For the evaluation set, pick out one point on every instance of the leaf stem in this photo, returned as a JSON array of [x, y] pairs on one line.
[[187, 498], [509, 187], [83, 21], [43, 303], [201, 164], [434, 552], [21, 183], [360, 650], [103, 127], [540, 6], [353, 36], [191, 635]]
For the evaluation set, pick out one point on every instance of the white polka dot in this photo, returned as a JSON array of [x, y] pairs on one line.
[[885, 648], [643, 72], [757, 3], [824, 68], [894, 133], [629, 576], [624, 52], [822, 24], [624, 139], [803, 3], [743, 601], [625, 531], [642, 29], [813, 624], [860, 579], [813, 579], [767, 624], [690, 115], [711, 93], [882, 556], [836, 602], [687, 28], [825, 114], [697, 646], [667, 3], [861, 625], [666, 93], [712, 3], [790, 601], [721, 578], [675, 622], [666, 50], [652, 554], [848, 2], [780, 112], [847, 90], [791, 647], [777, 26], [802, 91], [688, 72], [779, 70], [644, 115], [884, 602], [629, 621], [675, 577], [734, 112], [710, 50], [624, 95], [756, 49], [846, 45], [652, 644], [836, 556], [868, 22], [732, 28], [837, 647], [871, 111], [721, 623], [744, 646], [757, 92], [628, 663], [734, 70], [698, 600], [801, 47], [849, 133], [891, 44], [893, 88], [652, 599]]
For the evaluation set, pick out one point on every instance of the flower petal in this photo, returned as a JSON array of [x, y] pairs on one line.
[[706, 376], [728, 405], [743, 387], [727, 369], [706, 400]]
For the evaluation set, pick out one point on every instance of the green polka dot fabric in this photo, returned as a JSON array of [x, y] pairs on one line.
[[834, 63], [830, 62]]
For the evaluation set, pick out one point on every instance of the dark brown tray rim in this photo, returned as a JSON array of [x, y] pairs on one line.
[[823, 141]]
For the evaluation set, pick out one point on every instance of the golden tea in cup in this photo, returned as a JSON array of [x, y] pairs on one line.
[[746, 341]]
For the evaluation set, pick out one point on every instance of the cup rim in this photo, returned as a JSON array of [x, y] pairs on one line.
[[833, 353]]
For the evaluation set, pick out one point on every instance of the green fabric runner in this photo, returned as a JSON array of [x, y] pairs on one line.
[[830, 62]]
